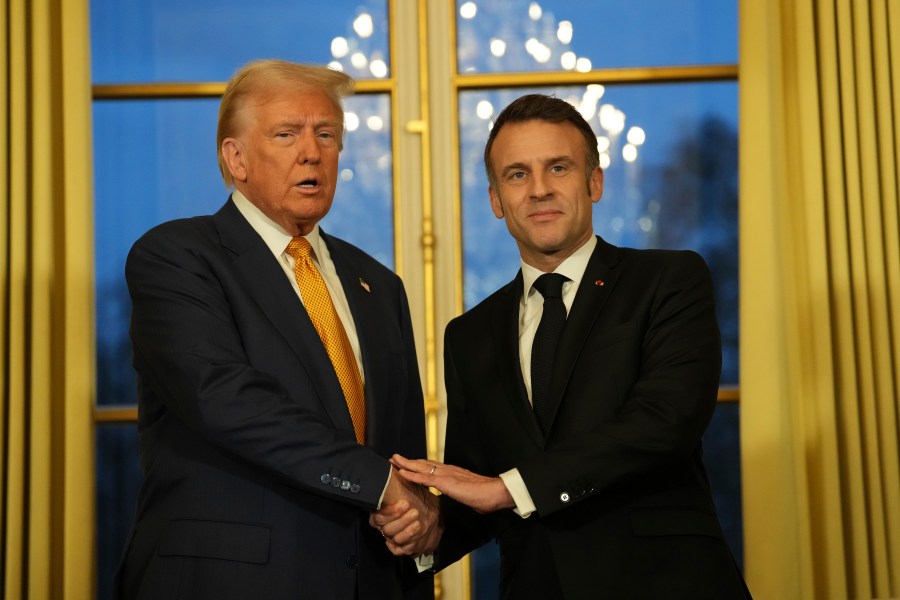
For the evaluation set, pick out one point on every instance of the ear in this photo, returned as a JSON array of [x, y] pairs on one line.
[[595, 184], [233, 153], [496, 203]]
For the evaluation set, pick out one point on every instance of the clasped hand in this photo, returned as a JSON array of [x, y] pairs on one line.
[[409, 519], [412, 527]]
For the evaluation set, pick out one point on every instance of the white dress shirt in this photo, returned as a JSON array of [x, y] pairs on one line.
[[531, 308], [277, 239]]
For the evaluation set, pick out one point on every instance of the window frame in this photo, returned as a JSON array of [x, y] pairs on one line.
[[428, 237]]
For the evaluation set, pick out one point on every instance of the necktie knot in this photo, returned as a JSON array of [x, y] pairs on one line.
[[299, 248], [550, 285]]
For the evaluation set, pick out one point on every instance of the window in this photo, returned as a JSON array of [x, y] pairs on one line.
[[664, 110], [660, 79]]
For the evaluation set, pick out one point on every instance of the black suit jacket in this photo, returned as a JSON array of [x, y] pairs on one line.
[[624, 508], [254, 485]]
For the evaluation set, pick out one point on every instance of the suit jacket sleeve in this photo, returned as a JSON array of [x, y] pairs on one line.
[[665, 411], [191, 357]]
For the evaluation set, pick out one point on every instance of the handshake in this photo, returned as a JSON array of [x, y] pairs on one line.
[[409, 518]]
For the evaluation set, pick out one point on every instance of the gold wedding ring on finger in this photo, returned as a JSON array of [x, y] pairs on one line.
[[433, 469]]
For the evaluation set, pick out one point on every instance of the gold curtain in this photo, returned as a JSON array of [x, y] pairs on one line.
[[820, 301], [46, 329]]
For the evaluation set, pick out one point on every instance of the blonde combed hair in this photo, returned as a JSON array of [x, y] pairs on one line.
[[258, 79]]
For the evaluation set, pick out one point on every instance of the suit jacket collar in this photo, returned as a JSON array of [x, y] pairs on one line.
[[597, 284], [269, 288], [599, 279], [362, 296], [505, 323]]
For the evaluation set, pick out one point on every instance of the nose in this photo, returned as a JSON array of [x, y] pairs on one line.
[[540, 186], [308, 151]]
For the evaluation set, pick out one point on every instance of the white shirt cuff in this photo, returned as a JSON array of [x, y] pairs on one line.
[[516, 486], [424, 562], [386, 483]]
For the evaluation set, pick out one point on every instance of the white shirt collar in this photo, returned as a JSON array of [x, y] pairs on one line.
[[573, 267], [273, 234]]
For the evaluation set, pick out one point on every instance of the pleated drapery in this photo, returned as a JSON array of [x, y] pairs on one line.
[[46, 329], [820, 297]]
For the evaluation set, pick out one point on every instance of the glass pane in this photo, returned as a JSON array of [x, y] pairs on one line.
[[155, 161], [556, 35], [118, 482], [206, 40], [677, 188], [363, 209], [721, 455]]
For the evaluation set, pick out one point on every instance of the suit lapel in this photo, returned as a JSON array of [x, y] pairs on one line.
[[505, 324], [270, 289], [367, 321], [597, 284]]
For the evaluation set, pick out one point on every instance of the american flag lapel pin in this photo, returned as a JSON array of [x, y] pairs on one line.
[[364, 285], [599, 283]]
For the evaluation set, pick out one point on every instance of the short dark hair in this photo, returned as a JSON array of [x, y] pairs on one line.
[[539, 107]]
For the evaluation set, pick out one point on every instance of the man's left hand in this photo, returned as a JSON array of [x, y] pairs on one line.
[[483, 494]]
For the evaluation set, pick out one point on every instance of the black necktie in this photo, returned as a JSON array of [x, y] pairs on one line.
[[543, 351]]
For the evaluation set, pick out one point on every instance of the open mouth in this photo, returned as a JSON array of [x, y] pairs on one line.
[[309, 183]]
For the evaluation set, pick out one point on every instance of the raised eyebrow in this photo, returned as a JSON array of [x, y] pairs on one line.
[[333, 123], [288, 125], [559, 159]]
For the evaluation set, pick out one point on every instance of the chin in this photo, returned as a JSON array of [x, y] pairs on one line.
[[549, 245]]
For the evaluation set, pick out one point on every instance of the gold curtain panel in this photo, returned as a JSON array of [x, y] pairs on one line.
[[820, 297], [47, 329]]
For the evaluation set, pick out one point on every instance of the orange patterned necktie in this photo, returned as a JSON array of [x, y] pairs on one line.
[[325, 319]]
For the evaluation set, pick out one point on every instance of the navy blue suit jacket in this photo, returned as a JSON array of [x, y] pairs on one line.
[[254, 485]]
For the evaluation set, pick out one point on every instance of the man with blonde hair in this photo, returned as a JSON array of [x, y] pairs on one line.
[[277, 373]]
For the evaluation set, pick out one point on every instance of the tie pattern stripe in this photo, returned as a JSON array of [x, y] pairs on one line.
[[546, 339], [331, 331]]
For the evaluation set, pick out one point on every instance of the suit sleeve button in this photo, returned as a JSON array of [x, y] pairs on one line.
[[564, 497], [355, 488], [345, 485], [336, 482], [325, 478]]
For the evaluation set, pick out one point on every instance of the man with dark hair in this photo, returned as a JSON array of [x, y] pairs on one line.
[[277, 374], [577, 395]]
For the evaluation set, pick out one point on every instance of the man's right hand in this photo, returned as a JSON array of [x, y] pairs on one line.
[[409, 518]]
